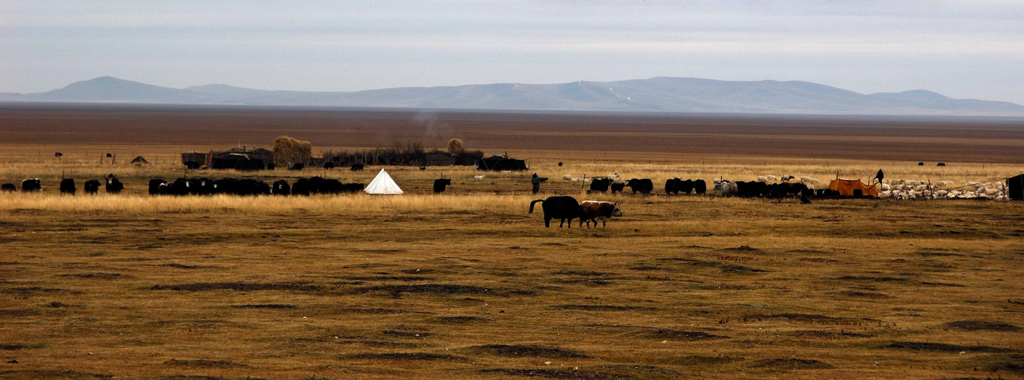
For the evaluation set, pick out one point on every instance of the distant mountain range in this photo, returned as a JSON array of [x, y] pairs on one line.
[[682, 95]]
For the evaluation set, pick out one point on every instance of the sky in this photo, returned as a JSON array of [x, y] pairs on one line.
[[962, 49]]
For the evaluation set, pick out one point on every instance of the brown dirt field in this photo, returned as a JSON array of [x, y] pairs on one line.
[[992, 140], [468, 285]]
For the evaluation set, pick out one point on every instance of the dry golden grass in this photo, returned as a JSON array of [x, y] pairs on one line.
[[468, 285]]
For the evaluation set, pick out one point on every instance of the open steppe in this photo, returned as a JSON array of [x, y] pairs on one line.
[[469, 285]]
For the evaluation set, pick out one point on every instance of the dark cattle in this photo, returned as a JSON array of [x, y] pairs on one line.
[[598, 210], [252, 187], [441, 184], [301, 187], [920, 164], [356, 167], [178, 187], [92, 186], [562, 208], [559, 164], [154, 185], [352, 187], [220, 186], [642, 186], [700, 187], [328, 165], [599, 185], [32, 184], [67, 186], [114, 186], [675, 186], [617, 187], [423, 168], [8, 187], [296, 166], [671, 186], [281, 188], [941, 164]]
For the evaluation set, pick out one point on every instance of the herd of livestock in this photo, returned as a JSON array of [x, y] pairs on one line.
[[763, 187]]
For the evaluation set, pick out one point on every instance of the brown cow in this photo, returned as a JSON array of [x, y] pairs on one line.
[[598, 210]]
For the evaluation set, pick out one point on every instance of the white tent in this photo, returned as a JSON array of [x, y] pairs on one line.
[[383, 184]]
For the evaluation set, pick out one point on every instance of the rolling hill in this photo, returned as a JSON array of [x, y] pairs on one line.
[[662, 94]]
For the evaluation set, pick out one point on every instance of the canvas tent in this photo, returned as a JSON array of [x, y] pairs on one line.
[[1015, 185], [849, 187], [383, 184], [140, 161], [499, 163]]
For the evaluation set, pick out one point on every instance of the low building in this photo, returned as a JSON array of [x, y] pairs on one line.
[[235, 158]]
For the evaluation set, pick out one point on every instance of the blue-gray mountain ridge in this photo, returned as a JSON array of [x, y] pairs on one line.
[[662, 94]]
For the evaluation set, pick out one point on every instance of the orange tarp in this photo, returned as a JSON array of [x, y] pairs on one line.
[[845, 187]]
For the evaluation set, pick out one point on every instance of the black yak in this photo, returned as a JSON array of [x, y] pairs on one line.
[[599, 185], [67, 186], [114, 186], [441, 184], [642, 186], [8, 187], [92, 186], [281, 188], [31, 184], [562, 208]]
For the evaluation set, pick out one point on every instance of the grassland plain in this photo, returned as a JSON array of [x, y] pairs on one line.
[[468, 285]]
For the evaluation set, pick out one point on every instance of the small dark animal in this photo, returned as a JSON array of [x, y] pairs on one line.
[[32, 184], [642, 186], [941, 164], [91, 186], [296, 166], [67, 186], [114, 186], [301, 187], [441, 184], [671, 186], [920, 164], [423, 168], [617, 187], [598, 210], [154, 185], [281, 188], [599, 185], [356, 168], [700, 187], [559, 163], [562, 208], [328, 165], [8, 187]]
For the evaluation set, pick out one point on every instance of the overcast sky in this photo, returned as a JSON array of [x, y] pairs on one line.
[[962, 49]]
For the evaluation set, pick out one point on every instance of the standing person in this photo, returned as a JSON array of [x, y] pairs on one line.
[[536, 183], [879, 176]]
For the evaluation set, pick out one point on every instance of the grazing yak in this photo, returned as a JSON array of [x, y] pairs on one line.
[[700, 187], [31, 184], [599, 185], [356, 168], [441, 184], [675, 186], [67, 186], [561, 208], [114, 186], [301, 187], [8, 187], [92, 186], [617, 187], [154, 185], [281, 188], [598, 210], [643, 186]]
